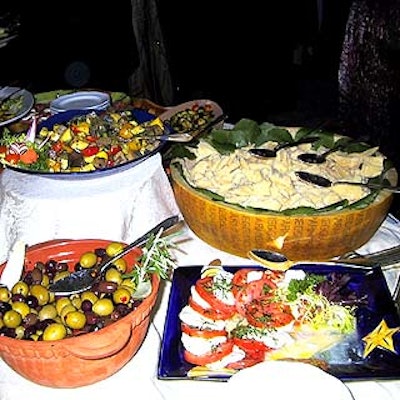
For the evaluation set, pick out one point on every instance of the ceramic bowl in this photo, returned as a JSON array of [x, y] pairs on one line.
[[88, 358]]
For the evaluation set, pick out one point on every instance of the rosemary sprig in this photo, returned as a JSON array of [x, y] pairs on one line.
[[156, 258]]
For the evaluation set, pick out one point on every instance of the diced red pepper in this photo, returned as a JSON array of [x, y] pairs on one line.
[[90, 151], [57, 147], [75, 129], [114, 150]]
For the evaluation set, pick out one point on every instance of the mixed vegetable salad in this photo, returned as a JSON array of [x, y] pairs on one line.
[[86, 143]]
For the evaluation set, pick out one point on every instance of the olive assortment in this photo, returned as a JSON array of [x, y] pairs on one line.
[[191, 119], [30, 311]]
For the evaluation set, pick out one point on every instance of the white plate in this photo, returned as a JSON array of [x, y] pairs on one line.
[[288, 380], [89, 100], [27, 102]]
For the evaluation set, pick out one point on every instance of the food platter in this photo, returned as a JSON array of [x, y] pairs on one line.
[[84, 100], [140, 116], [21, 102], [356, 356]]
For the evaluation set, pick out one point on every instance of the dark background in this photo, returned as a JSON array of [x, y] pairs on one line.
[[267, 61]]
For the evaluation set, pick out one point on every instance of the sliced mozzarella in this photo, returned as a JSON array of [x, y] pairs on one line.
[[291, 274], [196, 320], [222, 288], [235, 355], [199, 346], [198, 299], [254, 276]]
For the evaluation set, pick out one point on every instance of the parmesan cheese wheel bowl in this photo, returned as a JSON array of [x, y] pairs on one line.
[[239, 226], [298, 237]]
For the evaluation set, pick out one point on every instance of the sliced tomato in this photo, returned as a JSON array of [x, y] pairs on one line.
[[245, 291], [210, 313], [205, 289], [251, 346], [216, 354], [202, 333], [264, 313]]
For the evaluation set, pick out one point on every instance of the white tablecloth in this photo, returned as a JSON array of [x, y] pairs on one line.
[[118, 206], [139, 376]]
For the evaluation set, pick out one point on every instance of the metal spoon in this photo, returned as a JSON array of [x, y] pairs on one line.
[[82, 280], [268, 153], [315, 158], [278, 261], [319, 180]]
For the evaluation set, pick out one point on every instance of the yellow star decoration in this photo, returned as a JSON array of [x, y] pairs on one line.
[[381, 336]]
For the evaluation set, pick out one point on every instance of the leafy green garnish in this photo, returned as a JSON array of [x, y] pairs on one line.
[[155, 259], [300, 286]]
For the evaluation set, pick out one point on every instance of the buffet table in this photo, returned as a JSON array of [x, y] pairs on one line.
[[35, 208], [139, 376]]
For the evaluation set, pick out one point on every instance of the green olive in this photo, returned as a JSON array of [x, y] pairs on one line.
[[55, 331], [12, 319], [65, 310], [5, 294], [103, 307], [121, 265], [113, 275], [41, 293], [114, 248], [22, 308], [75, 320], [48, 311], [122, 295], [61, 303], [20, 288], [61, 275], [88, 259], [89, 296]]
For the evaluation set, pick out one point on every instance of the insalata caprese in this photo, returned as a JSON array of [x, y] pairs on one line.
[[237, 319]]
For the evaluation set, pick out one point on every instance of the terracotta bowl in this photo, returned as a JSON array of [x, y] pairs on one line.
[[299, 237], [90, 357]]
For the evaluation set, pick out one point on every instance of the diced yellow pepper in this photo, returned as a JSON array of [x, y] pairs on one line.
[[66, 136], [83, 127], [79, 144], [44, 132], [89, 159], [102, 154], [133, 145], [88, 168], [64, 164], [158, 122]]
